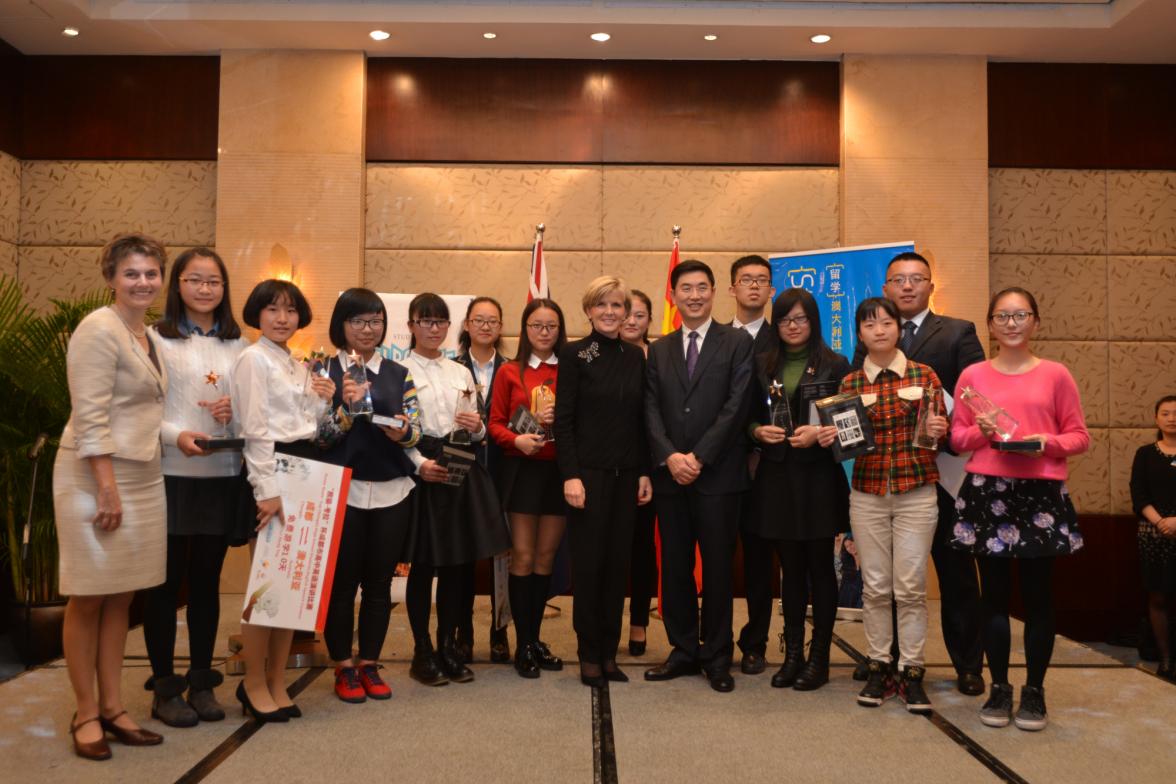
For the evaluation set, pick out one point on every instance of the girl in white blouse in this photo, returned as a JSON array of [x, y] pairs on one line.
[[270, 389], [455, 526], [199, 342]]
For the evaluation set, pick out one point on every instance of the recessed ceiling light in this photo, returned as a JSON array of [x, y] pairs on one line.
[[489, 36], [601, 37], [380, 35], [821, 38], [710, 37], [71, 32]]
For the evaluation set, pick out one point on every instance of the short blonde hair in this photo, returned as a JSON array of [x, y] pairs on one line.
[[600, 288]]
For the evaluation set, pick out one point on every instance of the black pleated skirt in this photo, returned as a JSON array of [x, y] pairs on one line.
[[531, 487]]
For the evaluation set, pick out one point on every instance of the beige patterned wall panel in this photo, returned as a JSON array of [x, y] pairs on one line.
[[1124, 443], [51, 272], [498, 274], [1142, 373], [1087, 363], [87, 203], [1089, 482], [8, 259], [1063, 287], [783, 209], [482, 207], [1141, 211], [1141, 293], [9, 198], [1047, 211], [647, 272]]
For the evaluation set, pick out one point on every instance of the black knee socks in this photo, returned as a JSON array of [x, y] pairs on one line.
[[518, 588], [540, 586]]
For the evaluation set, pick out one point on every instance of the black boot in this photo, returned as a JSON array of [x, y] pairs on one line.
[[540, 585], [169, 706], [815, 672], [793, 658], [453, 666], [200, 695], [426, 666]]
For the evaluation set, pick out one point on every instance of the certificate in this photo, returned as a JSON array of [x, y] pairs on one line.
[[294, 562]]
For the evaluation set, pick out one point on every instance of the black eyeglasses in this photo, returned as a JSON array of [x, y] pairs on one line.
[[360, 323], [1018, 318], [432, 323]]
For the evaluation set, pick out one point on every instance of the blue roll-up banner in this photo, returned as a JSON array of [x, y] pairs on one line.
[[840, 278]]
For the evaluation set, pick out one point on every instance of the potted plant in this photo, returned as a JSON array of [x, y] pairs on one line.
[[32, 367]]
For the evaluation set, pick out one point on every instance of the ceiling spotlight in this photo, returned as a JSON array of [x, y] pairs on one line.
[[71, 32], [380, 35], [821, 38], [601, 37], [710, 37], [489, 36]]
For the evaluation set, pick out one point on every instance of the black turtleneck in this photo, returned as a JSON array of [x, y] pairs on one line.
[[599, 409]]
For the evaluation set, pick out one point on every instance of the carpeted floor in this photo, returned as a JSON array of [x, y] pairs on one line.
[[1109, 721]]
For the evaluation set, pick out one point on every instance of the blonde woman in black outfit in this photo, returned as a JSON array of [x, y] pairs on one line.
[[599, 426]]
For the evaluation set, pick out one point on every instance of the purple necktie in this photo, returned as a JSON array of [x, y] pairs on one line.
[[691, 355]]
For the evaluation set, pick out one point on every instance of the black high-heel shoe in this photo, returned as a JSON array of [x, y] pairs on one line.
[[636, 647], [614, 673], [292, 710], [277, 716], [594, 681]]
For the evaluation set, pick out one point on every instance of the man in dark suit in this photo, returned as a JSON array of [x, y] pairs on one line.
[[695, 410], [948, 345], [751, 286]]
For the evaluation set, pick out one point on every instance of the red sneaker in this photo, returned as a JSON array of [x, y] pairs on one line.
[[373, 684], [347, 685]]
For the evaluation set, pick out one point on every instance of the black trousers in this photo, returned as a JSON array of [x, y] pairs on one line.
[[808, 565], [758, 572], [369, 548], [959, 594], [601, 538], [465, 627], [418, 599], [685, 519], [643, 571], [199, 560], [996, 574]]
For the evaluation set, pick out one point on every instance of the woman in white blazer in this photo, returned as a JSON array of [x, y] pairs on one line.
[[108, 490]]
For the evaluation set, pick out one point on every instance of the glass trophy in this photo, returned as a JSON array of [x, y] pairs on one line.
[[930, 405], [316, 365], [357, 372], [467, 403], [779, 409], [999, 420], [213, 380], [542, 396]]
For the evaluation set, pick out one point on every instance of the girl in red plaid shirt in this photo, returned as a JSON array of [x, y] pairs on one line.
[[892, 505]]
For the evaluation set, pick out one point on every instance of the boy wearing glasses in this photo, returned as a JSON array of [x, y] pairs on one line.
[[947, 345], [751, 286]]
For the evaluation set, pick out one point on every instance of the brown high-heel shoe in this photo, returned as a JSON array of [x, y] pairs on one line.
[[93, 750], [139, 737]]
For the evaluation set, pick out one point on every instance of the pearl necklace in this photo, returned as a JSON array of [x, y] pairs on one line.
[[139, 335]]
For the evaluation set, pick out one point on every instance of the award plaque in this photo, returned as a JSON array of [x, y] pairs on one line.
[[810, 393], [930, 405], [467, 403], [542, 396], [457, 462], [1032, 445], [779, 410], [357, 372], [524, 422], [213, 444], [855, 433], [997, 418]]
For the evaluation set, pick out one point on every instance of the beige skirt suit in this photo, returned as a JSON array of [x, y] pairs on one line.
[[117, 394]]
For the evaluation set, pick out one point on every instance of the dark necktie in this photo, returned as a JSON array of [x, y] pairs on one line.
[[908, 338], [692, 355]]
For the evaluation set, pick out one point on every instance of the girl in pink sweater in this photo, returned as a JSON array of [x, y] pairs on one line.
[[1014, 506]]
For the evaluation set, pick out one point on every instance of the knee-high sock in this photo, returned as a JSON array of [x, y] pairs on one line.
[[540, 586], [520, 607]]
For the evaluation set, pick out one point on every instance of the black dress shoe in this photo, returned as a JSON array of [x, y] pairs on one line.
[[499, 647], [593, 681], [546, 659], [636, 647], [720, 679], [426, 669], [670, 669], [971, 684], [454, 667], [614, 673], [292, 711], [753, 663], [525, 663]]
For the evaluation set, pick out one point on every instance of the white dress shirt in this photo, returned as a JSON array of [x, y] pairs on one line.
[[919, 319], [274, 403], [439, 383], [379, 495], [752, 327], [189, 364], [484, 372], [701, 329]]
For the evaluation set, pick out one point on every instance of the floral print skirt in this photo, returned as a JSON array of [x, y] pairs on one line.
[[1004, 517]]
